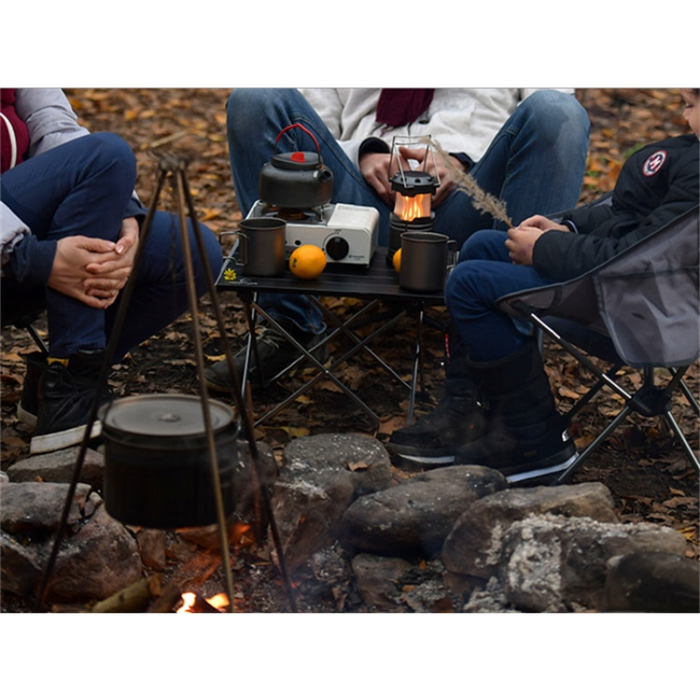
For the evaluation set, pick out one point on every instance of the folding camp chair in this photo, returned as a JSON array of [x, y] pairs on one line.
[[21, 306], [640, 309]]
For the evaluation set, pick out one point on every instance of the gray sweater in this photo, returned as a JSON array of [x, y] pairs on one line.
[[51, 122]]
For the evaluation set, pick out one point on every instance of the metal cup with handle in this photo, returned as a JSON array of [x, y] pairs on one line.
[[425, 261], [261, 247]]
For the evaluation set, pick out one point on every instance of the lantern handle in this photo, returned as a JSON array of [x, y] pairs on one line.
[[396, 145]]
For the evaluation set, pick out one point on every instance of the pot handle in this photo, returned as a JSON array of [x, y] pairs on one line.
[[303, 128], [242, 248], [453, 255]]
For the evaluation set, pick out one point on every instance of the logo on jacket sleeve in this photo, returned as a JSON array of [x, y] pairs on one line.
[[653, 163]]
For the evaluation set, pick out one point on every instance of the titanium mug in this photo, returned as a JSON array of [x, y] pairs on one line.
[[424, 261], [261, 247]]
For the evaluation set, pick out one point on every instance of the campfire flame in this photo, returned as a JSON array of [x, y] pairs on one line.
[[192, 603]]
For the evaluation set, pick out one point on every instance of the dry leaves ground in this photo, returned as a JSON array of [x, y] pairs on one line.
[[647, 474]]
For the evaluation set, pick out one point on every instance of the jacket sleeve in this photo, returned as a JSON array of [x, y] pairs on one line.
[[51, 122], [12, 231], [563, 255], [49, 117]]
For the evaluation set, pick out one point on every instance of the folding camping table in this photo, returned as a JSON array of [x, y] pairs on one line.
[[375, 284]]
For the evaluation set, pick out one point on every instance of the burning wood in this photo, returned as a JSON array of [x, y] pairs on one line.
[[194, 603]]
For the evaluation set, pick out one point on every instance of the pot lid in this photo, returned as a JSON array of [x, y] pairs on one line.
[[164, 415]]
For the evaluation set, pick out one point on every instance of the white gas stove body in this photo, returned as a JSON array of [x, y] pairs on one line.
[[346, 233]]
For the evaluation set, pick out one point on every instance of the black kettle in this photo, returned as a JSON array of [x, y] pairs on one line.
[[296, 180]]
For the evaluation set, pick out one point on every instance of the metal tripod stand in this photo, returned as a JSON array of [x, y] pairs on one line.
[[173, 166]]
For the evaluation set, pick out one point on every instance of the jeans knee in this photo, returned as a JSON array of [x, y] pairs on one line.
[[556, 114], [212, 248], [483, 245], [114, 154], [246, 108]]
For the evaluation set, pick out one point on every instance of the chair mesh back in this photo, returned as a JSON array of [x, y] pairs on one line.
[[650, 299], [647, 298]]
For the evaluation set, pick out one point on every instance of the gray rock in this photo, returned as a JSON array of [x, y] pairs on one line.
[[151, 544], [308, 515], [362, 459], [652, 582], [551, 563], [377, 579], [96, 562], [320, 477], [328, 576], [416, 516], [97, 557], [20, 566], [247, 479], [59, 467], [473, 547], [36, 507]]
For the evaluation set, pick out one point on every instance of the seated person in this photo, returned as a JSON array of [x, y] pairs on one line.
[[527, 147], [509, 422], [70, 230]]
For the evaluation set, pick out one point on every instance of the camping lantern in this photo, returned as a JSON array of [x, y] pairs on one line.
[[414, 191]]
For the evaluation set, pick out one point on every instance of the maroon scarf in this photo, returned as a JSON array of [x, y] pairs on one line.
[[14, 135], [398, 106]]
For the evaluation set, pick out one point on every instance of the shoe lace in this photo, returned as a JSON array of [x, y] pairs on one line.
[[272, 338]]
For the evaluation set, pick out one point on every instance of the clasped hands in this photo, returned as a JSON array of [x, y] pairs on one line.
[[521, 239], [94, 270]]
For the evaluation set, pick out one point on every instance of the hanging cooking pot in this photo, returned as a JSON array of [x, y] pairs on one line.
[[297, 180], [157, 468]]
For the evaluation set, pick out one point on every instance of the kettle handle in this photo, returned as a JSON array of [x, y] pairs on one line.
[[303, 128]]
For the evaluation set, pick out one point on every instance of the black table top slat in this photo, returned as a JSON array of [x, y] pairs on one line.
[[379, 280]]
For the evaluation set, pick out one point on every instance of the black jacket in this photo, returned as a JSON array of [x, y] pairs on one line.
[[657, 183]]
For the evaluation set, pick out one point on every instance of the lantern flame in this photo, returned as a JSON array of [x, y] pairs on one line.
[[410, 208]]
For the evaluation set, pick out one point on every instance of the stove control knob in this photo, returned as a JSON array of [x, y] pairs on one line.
[[337, 248]]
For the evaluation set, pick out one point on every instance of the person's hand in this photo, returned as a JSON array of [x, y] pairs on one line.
[[542, 223], [521, 239], [442, 171], [94, 270], [69, 270], [375, 169], [108, 275], [520, 242]]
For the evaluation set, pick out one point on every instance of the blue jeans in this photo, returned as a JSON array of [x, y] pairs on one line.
[[83, 188], [483, 275], [535, 163]]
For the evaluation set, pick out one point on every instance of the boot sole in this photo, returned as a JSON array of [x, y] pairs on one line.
[[539, 472], [429, 461], [51, 442], [27, 417]]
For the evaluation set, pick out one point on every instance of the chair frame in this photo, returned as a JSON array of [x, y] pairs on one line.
[[650, 400], [544, 306]]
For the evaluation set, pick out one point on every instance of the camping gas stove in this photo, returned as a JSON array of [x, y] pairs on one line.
[[346, 233]]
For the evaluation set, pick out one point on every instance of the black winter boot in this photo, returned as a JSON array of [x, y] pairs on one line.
[[28, 406], [458, 419], [527, 439], [66, 395]]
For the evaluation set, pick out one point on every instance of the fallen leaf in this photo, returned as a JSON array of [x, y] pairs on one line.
[[356, 466]]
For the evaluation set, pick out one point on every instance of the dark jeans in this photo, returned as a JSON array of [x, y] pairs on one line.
[[483, 275], [82, 188], [535, 163]]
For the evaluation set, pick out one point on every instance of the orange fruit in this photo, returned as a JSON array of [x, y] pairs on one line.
[[397, 260], [307, 261]]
